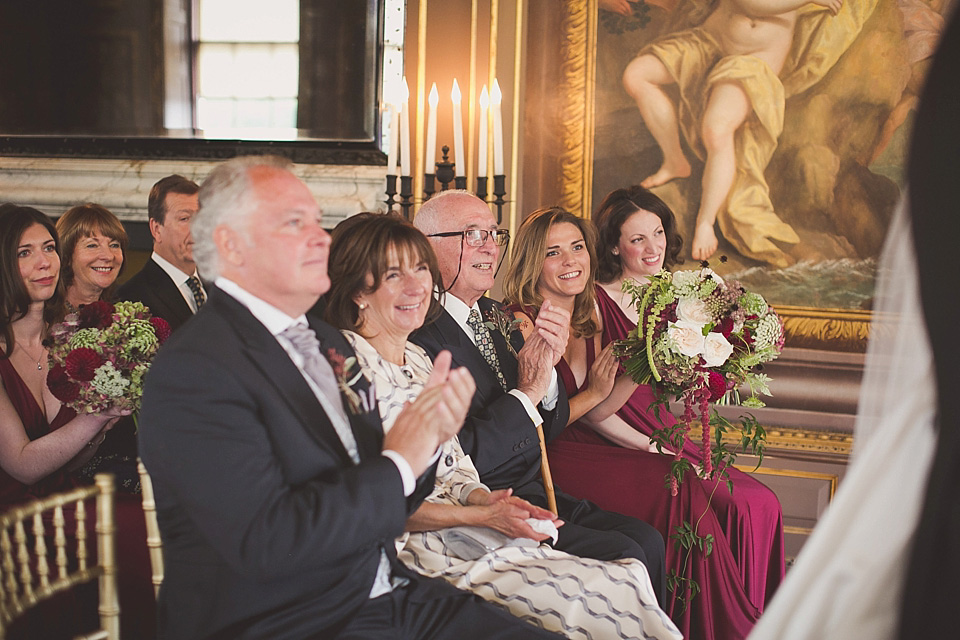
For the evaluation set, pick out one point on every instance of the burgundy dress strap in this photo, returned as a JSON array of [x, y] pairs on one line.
[[22, 400], [616, 324]]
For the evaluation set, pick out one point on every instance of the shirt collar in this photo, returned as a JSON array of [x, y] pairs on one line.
[[275, 320], [175, 273], [458, 309]]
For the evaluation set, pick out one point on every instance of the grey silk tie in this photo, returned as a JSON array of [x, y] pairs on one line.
[[305, 341], [194, 283], [485, 343]]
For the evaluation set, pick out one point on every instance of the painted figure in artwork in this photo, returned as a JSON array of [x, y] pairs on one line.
[[733, 72]]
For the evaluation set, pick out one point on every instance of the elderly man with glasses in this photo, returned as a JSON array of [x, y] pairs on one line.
[[516, 382]]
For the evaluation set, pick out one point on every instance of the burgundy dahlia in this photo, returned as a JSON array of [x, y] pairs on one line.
[[160, 327], [725, 327], [717, 384], [96, 315], [60, 385], [81, 363]]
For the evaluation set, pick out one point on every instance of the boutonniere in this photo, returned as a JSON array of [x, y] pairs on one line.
[[497, 320], [347, 372]]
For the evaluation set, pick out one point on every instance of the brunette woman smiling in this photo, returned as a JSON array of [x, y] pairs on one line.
[[40, 440]]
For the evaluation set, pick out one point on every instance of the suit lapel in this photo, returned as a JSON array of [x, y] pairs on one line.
[[365, 423], [508, 363], [265, 353], [168, 294]]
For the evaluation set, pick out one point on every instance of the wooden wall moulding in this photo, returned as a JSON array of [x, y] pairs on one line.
[[840, 329]]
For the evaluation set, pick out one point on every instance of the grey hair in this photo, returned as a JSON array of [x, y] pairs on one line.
[[430, 215], [226, 198]]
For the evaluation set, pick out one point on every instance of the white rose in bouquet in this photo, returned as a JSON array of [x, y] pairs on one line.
[[686, 337], [716, 349], [694, 310]]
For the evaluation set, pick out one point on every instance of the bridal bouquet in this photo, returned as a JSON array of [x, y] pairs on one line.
[[700, 339], [101, 353]]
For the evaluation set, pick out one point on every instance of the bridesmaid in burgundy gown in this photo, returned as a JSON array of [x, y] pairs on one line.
[[637, 236], [37, 453], [604, 459]]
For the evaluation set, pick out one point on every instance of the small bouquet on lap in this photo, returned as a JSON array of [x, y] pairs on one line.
[[100, 355], [700, 339]]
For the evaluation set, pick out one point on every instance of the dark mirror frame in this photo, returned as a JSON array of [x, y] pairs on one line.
[[99, 64]]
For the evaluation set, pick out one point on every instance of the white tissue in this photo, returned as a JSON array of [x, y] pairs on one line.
[[544, 526]]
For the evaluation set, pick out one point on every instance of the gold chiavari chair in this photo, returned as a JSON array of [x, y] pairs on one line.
[[26, 575], [154, 544]]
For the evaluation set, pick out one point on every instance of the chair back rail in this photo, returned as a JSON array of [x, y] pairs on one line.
[[26, 577]]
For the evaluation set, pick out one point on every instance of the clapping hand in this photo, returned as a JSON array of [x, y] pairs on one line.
[[553, 327], [603, 373], [542, 351], [434, 417]]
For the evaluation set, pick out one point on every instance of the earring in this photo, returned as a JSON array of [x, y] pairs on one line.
[[616, 251], [362, 305]]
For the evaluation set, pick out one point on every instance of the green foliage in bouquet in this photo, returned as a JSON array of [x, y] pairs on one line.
[[700, 340]]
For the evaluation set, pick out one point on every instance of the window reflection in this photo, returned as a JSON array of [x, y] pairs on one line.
[[247, 65]]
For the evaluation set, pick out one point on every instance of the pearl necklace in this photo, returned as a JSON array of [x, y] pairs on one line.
[[39, 368]]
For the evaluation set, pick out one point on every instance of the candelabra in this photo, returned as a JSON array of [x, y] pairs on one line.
[[445, 174]]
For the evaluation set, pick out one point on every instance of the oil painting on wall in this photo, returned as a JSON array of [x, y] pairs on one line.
[[777, 131]]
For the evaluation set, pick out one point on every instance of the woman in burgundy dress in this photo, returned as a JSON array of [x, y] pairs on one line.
[[637, 237], [42, 441], [605, 459]]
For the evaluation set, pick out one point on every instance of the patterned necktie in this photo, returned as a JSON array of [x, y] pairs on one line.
[[305, 341], [194, 283], [485, 344]]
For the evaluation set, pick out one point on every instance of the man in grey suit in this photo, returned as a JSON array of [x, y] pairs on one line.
[[278, 499], [168, 283]]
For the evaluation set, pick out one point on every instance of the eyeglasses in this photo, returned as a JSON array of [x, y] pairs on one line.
[[477, 237]]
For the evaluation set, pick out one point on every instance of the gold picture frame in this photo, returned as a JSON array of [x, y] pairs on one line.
[[836, 329]]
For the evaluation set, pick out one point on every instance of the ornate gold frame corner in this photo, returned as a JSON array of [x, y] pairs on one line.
[[831, 329]]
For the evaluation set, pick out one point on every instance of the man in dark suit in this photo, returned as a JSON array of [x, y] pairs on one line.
[[514, 393], [279, 503], [168, 283]]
